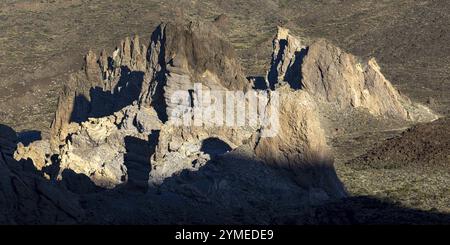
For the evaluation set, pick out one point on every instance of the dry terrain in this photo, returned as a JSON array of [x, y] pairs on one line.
[[43, 42]]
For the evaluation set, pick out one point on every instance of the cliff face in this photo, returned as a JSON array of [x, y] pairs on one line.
[[288, 52], [339, 79], [300, 144], [177, 57], [334, 76]]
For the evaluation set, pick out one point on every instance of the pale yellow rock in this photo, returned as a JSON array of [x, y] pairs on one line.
[[300, 139], [282, 33], [300, 146], [331, 75], [37, 151]]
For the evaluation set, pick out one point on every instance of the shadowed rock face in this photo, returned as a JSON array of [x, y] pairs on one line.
[[287, 56], [232, 189], [8, 139], [25, 196]]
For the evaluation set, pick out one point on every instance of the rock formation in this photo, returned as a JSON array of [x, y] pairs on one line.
[[181, 56], [177, 57], [339, 79], [300, 145], [38, 152], [25, 196], [114, 128], [98, 148], [131, 95], [287, 56]]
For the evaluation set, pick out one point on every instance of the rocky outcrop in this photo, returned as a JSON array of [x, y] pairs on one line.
[[130, 95], [98, 148], [203, 52], [180, 56], [190, 148], [38, 152], [287, 56], [300, 138], [86, 152], [339, 79], [115, 142], [177, 57], [106, 85], [300, 144], [334, 76], [26, 197], [115, 119], [73, 106], [129, 84]]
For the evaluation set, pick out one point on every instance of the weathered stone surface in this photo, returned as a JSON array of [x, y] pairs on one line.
[[300, 144], [38, 152], [99, 147], [138, 55], [187, 148], [73, 106], [200, 50], [182, 55], [107, 85], [287, 56], [27, 198], [333, 76], [96, 151], [92, 68]]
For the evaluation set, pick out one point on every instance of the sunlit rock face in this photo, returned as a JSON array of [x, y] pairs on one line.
[[340, 79], [300, 144]]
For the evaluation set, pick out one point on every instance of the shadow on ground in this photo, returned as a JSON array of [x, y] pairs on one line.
[[232, 188]]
